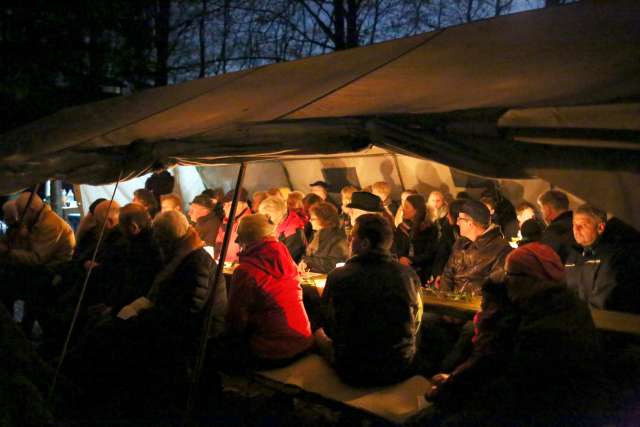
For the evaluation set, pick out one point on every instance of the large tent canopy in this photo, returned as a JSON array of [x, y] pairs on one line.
[[552, 93]]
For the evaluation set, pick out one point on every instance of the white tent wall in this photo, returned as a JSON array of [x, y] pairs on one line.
[[188, 185], [402, 172], [124, 194], [258, 176]]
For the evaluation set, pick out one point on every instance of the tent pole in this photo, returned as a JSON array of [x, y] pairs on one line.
[[204, 338], [395, 161], [28, 205], [82, 292]]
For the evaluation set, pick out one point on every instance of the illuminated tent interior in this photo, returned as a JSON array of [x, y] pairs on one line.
[[551, 94]]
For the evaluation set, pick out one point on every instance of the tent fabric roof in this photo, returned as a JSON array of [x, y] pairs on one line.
[[464, 96]]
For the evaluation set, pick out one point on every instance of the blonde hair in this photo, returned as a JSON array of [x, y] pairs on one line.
[[170, 225], [382, 188], [253, 228], [295, 197], [174, 198], [274, 207]]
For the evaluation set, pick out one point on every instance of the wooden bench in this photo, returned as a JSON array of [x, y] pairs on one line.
[[315, 376]]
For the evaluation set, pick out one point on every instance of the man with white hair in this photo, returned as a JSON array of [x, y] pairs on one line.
[[50, 238]]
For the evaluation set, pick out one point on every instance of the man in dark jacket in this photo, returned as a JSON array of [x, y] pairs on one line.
[[554, 206], [604, 273], [372, 309], [536, 353], [479, 256]]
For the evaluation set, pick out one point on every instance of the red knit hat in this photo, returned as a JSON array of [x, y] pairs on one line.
[[536, 260]]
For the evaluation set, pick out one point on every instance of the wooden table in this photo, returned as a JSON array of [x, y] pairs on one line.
[[612, 321]]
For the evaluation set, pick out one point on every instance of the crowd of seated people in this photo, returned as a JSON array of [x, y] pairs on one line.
[[152, 281]]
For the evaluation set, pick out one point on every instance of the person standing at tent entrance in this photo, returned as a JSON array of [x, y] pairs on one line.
[[554, 206], [604, 273], [242, 210]]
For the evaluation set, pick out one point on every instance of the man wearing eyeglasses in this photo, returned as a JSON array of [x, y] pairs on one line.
[[477, 257]]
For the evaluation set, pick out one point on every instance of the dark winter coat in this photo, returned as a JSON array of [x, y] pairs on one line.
[[472, 263], [606, 276], [540, 356], [370, 311], [559, 235], [132, 272], [332, 249], [447, 235], [421, 249]]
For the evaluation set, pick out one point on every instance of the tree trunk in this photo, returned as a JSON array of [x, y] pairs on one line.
[[202, 41], [469, 14], [352, 39], [225, 35], [163, 18], [339, 39]]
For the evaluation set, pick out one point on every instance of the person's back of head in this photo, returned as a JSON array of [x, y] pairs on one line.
[[254, 228], [274, 208], [553, 203], [170, 226], [530, 268], [134, 219], [107, 213], [146, 198], [531, 231], [371, 233]]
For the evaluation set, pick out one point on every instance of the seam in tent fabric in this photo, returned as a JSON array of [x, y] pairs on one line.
[[366, 73]]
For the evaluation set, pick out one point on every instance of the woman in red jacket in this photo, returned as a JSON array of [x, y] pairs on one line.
[[265, 307]]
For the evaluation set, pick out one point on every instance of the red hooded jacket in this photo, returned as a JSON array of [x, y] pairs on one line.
[[265, 302]]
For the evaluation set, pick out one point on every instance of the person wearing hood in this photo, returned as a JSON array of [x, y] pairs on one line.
[[535, 346], [266, 315]]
